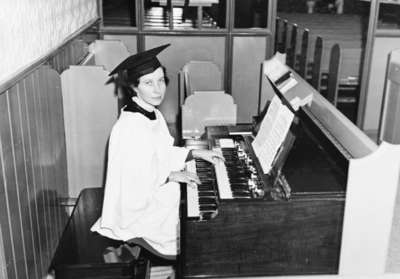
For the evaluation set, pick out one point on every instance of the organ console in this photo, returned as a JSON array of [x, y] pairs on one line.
[[240, 222]]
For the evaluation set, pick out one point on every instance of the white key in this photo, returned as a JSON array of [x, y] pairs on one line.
[[221, 173], [193, 207]]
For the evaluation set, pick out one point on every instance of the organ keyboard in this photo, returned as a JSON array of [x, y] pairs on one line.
[[236, 178], [202, 199]]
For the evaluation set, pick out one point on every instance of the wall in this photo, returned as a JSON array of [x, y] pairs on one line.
[[33, 174], [33, 167], [40, 24], [248, 54]]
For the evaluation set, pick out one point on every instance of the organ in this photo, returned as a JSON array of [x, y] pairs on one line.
[[241, 222]]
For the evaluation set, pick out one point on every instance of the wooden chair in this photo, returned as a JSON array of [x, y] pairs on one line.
[[199, 76], [107, 53], [206, 108]]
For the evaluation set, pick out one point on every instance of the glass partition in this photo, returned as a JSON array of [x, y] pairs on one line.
[[389, 15], [184, 15], [251, 13], [119, 13], [156, 15], [214, 16]]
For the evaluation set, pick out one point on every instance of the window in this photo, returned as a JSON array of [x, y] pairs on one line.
[[184, 15], [251, 13], [389, 12], [119, 13]]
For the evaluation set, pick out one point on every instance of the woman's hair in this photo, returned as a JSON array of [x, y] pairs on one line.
[[135, 82], [127, 84]]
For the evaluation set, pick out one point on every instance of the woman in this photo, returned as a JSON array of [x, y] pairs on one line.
[[142, 193]]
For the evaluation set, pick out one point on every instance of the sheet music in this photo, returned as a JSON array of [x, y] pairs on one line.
[[272, 133]]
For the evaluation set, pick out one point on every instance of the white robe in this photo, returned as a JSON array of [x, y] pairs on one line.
[[137, 201]]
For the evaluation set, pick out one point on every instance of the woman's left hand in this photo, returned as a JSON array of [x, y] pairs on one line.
[[208, 155]]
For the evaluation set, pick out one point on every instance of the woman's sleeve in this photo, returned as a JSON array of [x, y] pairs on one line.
[[178, 157]]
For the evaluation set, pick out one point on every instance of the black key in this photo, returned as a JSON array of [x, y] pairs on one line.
[[207, 200], [206, 194], [241, 195], [239, 187], [208, 207]]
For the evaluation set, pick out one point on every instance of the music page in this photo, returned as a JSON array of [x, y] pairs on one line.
[[272, 133]]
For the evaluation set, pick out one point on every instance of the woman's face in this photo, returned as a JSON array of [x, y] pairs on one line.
[[151, 88]]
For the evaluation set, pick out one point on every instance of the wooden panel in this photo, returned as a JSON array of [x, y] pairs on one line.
[[47, 158], [28, 129], [248, 54], [334, 72], [277, 34], [389, 122], [59, 150], [87, 126], [70, 54], [5, 221], [33, 176], [33, 168], [266, 238], [303, 54], [20, 183], [32, 173], [291, 50], [3, 266], [55, 143], [365, 247], [37, 175], [42, 152], [316, 65], [284, 35], [78, 51], [281, 31], [379, 61], [11, 187]]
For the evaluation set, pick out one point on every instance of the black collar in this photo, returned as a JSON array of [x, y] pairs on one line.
[[134, 107]]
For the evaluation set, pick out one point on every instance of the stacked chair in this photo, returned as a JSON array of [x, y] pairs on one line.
[[203, 99]]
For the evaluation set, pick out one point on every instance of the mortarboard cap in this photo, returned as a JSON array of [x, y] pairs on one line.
[[141, 63]]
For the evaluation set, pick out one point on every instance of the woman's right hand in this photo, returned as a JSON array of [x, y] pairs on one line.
[[190, 178]]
